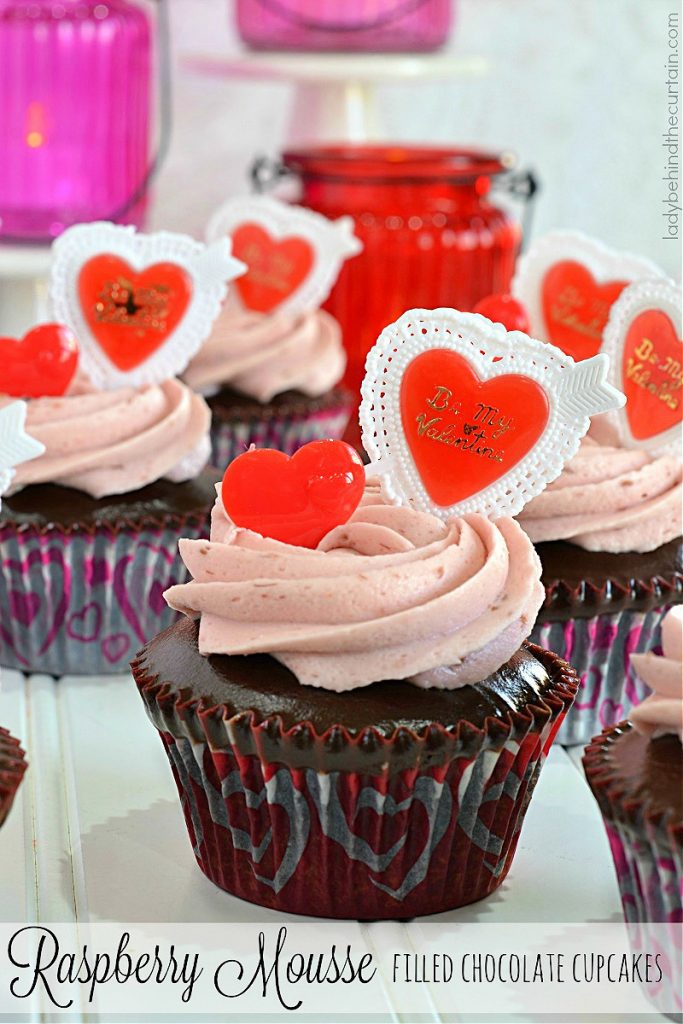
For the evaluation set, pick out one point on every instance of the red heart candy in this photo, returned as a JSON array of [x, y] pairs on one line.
[[576, 308], [132, 313], [465, 433], [297, 499], [504, 309], [276, 267], [41, 363], [652, 371]]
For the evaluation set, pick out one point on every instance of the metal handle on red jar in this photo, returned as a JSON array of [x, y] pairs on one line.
[[401, 10], [164, 101], [265, 173], [522, 185]]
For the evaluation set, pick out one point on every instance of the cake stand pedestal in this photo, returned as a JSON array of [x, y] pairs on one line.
[[335, 95]]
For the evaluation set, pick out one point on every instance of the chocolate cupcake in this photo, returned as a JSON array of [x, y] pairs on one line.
[[271, 380], [356, 728], [634, 770], [89, 529], [608, 533], [12, 767]]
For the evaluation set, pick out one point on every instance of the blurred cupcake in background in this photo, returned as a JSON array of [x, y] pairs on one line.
[[271, 380], [609, 528], [271, 367], [635, 770], [89, 529], [608, 533]]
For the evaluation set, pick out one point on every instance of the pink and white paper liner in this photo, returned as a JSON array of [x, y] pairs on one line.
[[286, 433], [599, 648], [83, 603]]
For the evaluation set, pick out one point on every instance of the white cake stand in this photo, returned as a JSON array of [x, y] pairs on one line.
[[335, 97]]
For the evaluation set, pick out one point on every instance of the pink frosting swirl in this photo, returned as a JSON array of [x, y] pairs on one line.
[[392, 594], [662, 712], [609, 499], [263, 355], [110, 442]]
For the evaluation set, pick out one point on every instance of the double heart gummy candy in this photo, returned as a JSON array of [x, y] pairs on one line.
[[42, 363], [298, 499], [504, 309]]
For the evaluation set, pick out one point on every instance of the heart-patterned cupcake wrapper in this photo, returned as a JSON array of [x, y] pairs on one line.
[[432, 836], [12, 767], [83, 602], [600, 649], [286, 433], [647, 851]]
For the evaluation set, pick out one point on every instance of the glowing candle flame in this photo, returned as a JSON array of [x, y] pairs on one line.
[[35, 125]]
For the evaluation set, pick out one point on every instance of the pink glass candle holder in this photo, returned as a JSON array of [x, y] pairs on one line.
[[379, 25], [75, 80]]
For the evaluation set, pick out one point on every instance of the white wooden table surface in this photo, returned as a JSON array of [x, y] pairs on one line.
[[96, 833]]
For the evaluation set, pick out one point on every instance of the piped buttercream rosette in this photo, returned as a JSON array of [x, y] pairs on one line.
[[391, 593]]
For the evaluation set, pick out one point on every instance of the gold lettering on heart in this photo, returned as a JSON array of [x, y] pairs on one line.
[[564, 311], [274, 271], [488, 424], [441, 398], [147, 307], [639, 369]]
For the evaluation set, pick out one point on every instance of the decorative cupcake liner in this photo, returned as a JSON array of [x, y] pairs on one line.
[[647, 850], [83, 602], [12, 767], [438, 834], [600, 649], [630, 581], [287, 433]]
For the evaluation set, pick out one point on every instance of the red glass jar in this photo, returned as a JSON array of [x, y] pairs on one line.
[[431, 234]]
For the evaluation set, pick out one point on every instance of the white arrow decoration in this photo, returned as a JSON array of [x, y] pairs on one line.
[[15, 444], [588, 391]]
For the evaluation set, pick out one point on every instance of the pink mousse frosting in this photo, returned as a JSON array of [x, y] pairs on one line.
[[392, 594], [662, 712], [110, 442], [263, 355], [609, 499]]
